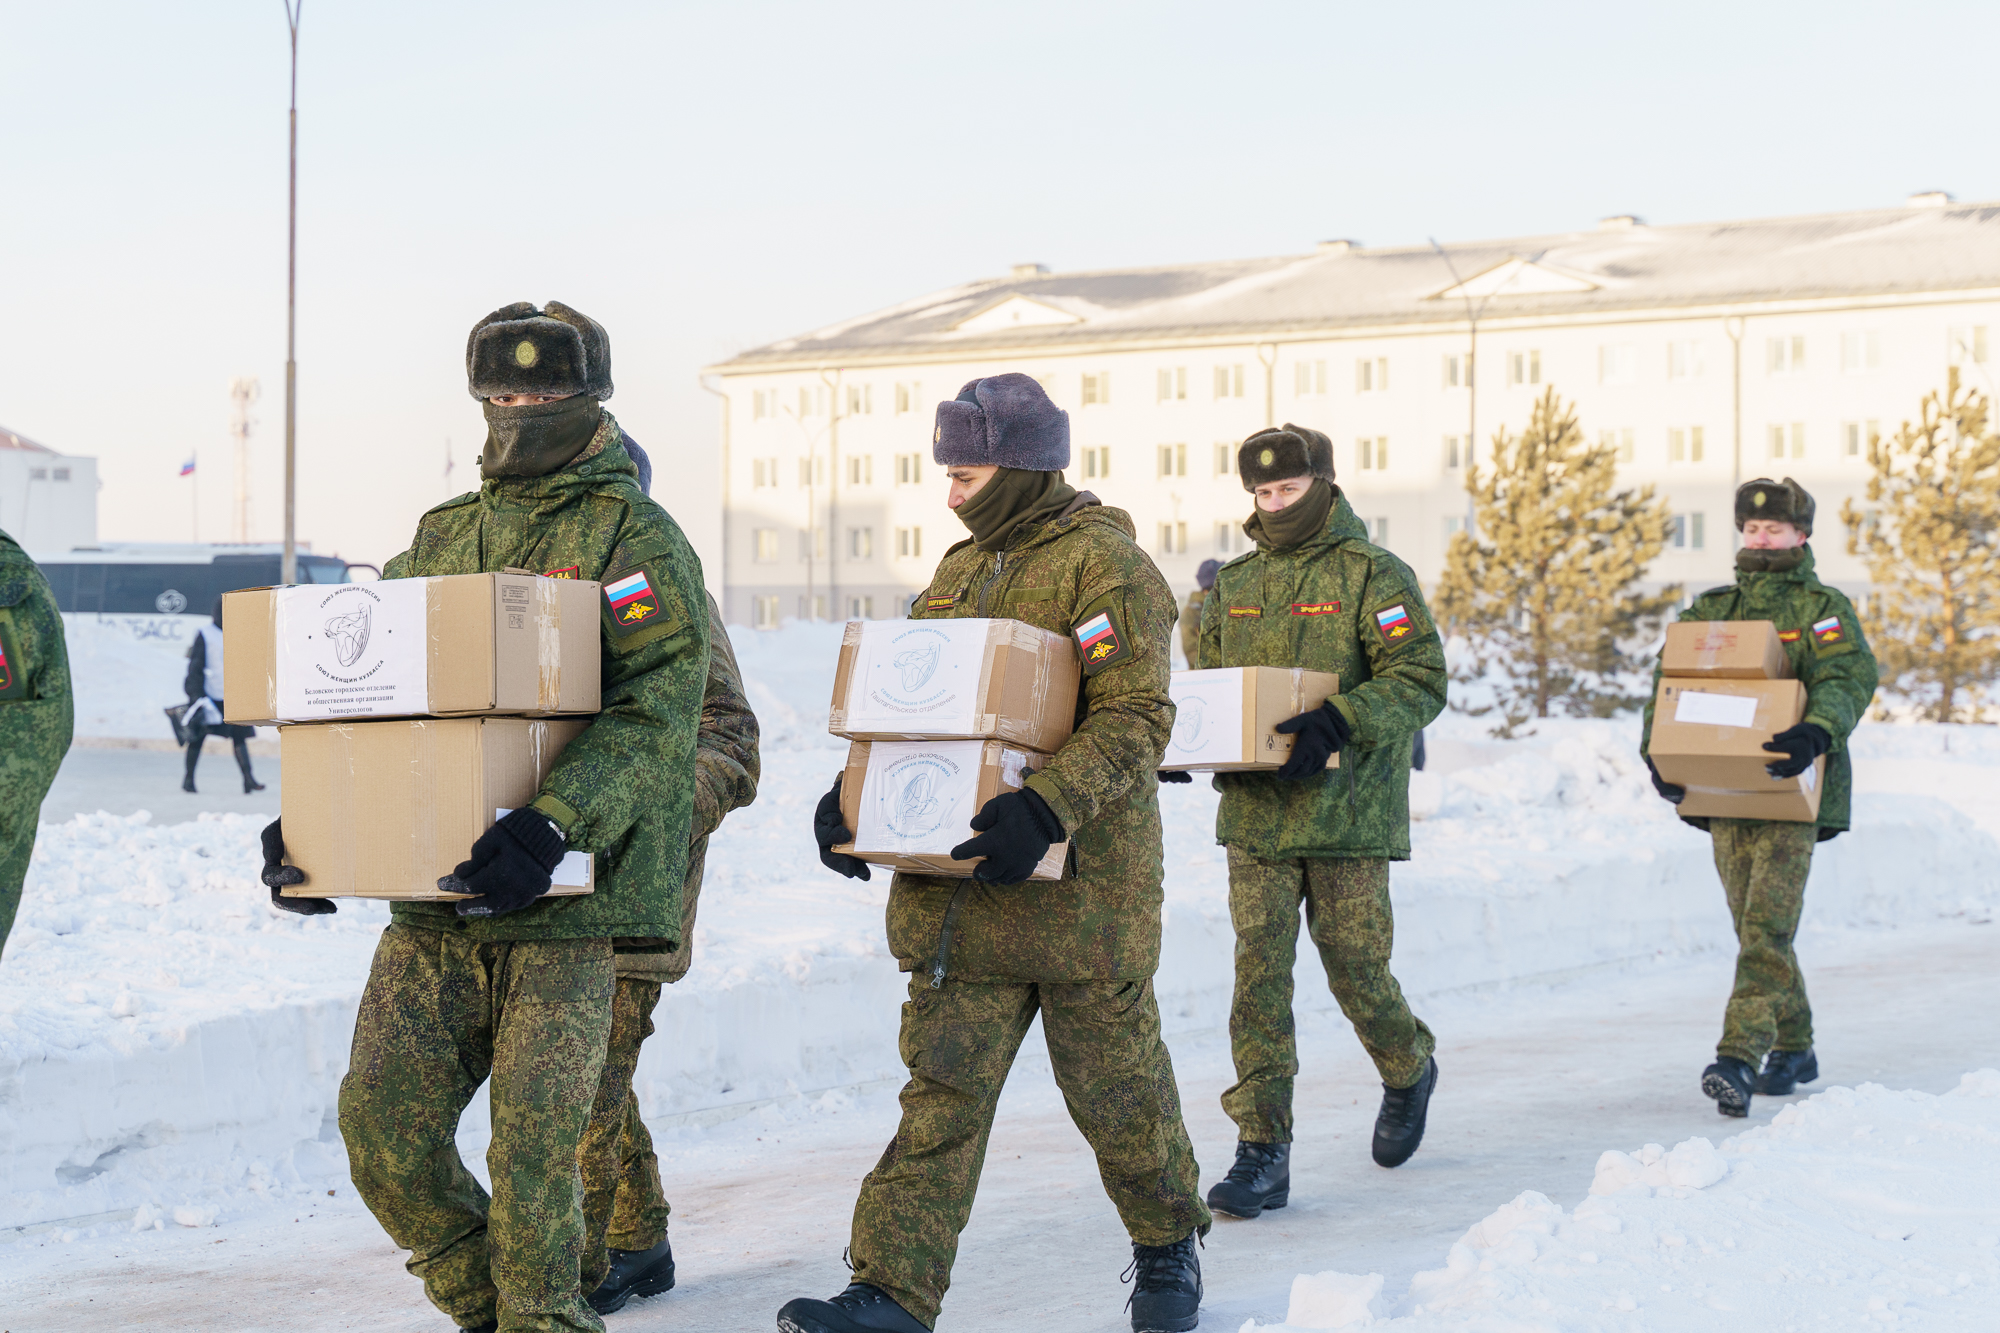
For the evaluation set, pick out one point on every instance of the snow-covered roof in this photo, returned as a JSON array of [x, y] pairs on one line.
[[10, 440], [1621, 265]]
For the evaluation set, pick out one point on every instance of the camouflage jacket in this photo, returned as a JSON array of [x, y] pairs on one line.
[[1333, 603], [624, 789], [726, 769], [1191, 625], [1833, 660], [36, 714], [1101, 921]]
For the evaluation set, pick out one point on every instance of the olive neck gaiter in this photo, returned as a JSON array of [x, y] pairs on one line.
[[1302, 520], [1013, 498], [1751, 560], [537, 439]]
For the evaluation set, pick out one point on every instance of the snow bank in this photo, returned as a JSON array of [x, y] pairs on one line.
[[1860, 1203]]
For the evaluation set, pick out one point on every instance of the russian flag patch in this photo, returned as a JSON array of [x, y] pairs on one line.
[[1395, 624], [1828, 630], [632, 600]]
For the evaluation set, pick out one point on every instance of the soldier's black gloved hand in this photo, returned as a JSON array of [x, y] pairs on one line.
[[277, 875], [1663, 787], [511, 864], [1800, 745], [1175, 775], [1322, 733], [1016, 830], [830, 830]]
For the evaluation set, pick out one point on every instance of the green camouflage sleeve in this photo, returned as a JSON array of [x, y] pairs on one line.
[[1211, 634], [398, 566], [1840, 674], [1406, 686], [37, 714], [726, 765], [1128, 714]]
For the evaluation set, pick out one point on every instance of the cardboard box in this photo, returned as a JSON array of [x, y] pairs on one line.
[[1225, 718], [1725, 650], [910, 802], [385, 809], [955, 680], [1708, 736], [465, 645]]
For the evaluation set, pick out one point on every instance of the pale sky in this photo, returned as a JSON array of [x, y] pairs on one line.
[[702, 178]]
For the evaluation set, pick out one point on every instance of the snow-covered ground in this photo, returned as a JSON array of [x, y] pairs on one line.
[[169, 1048]]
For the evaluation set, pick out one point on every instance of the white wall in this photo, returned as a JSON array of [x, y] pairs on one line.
[[42, 508]]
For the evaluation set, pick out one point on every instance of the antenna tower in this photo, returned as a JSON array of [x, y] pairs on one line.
[[242, 393]]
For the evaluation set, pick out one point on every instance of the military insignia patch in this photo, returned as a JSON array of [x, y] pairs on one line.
[[1098, 638], [13, 671], [1828, 631], [632, 600], [1315, 608], [944, 603], [1249, 611], [526, 354], [1395, 624], [566, 572], [1788, 636]]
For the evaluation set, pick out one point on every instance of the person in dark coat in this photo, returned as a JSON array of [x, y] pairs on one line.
[[204, 712]]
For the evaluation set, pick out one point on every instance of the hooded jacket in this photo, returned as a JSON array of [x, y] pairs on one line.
[[37, 715]]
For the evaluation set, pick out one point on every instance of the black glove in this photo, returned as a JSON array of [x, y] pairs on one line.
[[830, 830], [277, 875], [1322, 733], [1663, 787], [1800, 745], [1016, 830], [510, 865], [1175, 775]]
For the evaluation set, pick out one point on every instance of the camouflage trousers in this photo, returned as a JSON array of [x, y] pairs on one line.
[[623, 1205], [439, 1015], [958, 1042], [1349, 919], [1764, 864]]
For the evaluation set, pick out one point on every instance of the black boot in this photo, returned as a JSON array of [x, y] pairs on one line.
[[1729, 1080], [1166, 1287], [1399, 1125], [197, 737], [1785, 1070], [250, 782], [860, 1309], [1261, 1179], [634, 1273]]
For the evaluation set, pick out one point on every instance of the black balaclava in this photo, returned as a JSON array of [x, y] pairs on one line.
[[1299, 521], [1760, 560], [539, 438], [1013, 498]]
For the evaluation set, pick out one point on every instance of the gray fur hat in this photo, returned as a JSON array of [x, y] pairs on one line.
[[1783, 501], [1005, 420], [522, 349], [1278, 452]]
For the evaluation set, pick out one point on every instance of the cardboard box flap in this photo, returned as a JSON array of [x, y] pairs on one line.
[[1725, 650]]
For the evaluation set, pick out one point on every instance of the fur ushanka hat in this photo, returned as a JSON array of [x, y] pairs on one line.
[[1278, 452], [521, 349], [1778, 501], [1006, 420]]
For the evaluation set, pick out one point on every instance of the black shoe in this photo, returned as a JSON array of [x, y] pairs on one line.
[[250, 785], [860, 1309], [187, 784], [1728, 1080], [1399, 1125], [634, 1273], [1166, 1287], [1260, 1180], [1785, 1070]]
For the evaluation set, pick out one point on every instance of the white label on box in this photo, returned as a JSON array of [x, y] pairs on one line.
[[1809, 779], [352, 650], [917, 676], [918, 797], [1208, 718], [1716, 710], [572, 872]]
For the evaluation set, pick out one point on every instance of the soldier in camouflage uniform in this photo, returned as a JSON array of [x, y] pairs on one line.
[[1764, 863], [1204, 579], [989, 953], [1316, 594], [511, 983], [36, 714], [625, 1209]]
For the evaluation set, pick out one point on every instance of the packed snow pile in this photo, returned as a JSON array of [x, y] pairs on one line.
[[1859, 1205]]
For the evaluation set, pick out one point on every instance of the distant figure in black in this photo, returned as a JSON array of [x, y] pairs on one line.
[[204, 714]]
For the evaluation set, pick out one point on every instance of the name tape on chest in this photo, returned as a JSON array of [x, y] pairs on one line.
[[1395, 624], [1246, 612], [566, 572], [632, 599], [944, 603], [13, 671], [6, 667], [1828, 630], [1315, 608], [1788, 636]]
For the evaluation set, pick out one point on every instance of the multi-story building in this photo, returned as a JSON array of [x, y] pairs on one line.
[[1704, 354], [48, 500]]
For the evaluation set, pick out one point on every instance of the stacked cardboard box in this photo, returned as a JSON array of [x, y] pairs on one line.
[[411, 716], [1726, 688], [944, 715], [1225, 719]]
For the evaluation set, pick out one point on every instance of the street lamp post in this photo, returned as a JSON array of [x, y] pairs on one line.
[[289, 573]]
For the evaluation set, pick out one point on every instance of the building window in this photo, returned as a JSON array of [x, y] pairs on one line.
[[60, 474], [909, 469], [1618, 442], [1860, 352], [1229, 381], [1785, 356], [1856, 436], [815, 607], [1173, 539], [1457, 372], [860, 399], [1684, 359], [1097, 461], [1687, 532], [909, 398], [1171, 385], [812, 402], [1617, 363], [1097, 389], [812, 472], [861, 543], [1173, 460], [1225, 459], [1378, 530], [1968, 346], [764, 546], [764, 612], [1371, 453], [1230, 539], [1309, 379], [1684, 444], [861, 608], [38, 474], [1795, 435], [1526, 367], [1371, 374], [812, 546], [909, 543], [763, 403], [764, 473], [1453, 455], [861, 470]]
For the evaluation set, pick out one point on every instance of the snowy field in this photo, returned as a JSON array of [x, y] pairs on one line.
[[170, 1049]]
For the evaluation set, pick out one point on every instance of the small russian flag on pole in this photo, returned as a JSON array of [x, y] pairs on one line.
[[187, 468]]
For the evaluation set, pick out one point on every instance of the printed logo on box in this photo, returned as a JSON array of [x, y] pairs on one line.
[[1188, 718], [352, 650], [911, 801], [917, 670]]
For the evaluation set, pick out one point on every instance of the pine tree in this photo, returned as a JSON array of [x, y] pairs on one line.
[[1932, 543], [1546, 594]]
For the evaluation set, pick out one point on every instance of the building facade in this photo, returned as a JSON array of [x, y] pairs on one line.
[[1704, 354], [48, 501]]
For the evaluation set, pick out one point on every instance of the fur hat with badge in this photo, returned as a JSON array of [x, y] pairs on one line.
[[1003, 420], [521, 348], [1278, 452], [1776, 501]]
